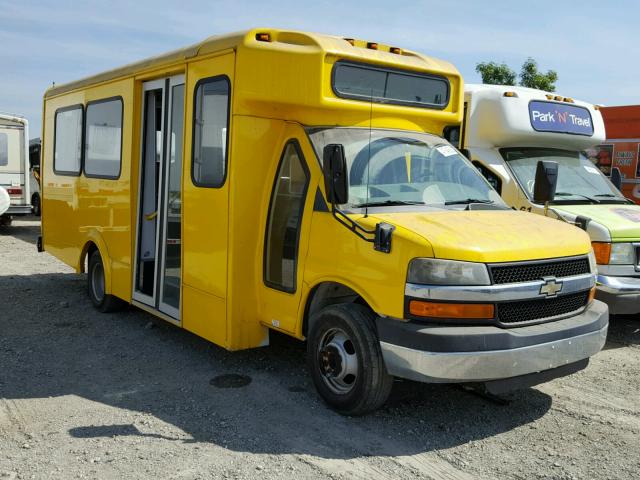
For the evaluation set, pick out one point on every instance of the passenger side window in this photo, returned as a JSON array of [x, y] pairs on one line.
[[103, 139], [211, 132], [67, 149], [491, 177], [285, 219]]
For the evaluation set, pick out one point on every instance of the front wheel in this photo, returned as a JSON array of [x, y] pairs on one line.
[[345, 359], [96, 286]]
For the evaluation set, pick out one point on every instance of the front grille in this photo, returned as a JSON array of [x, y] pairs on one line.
[[540, 309], [529, 272]]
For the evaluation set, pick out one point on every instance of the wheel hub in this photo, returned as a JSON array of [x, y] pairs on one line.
[[338, 361]]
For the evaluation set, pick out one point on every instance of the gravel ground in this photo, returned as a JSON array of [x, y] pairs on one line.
[[89, 395]]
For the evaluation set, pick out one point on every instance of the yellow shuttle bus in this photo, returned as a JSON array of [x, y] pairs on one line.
[[281, 180]]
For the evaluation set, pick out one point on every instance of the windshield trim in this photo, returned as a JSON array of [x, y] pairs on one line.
[[556, 201]]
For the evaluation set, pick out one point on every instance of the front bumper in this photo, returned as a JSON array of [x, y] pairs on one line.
[[462, 354], [622, 294]]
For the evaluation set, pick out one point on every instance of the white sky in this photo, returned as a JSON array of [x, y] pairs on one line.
[[591, 44]]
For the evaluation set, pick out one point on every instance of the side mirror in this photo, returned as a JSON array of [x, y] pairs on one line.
[[544, 189], [616, 178], [334, 165]]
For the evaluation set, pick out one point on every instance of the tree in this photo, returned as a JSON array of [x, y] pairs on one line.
[[500, 74], [532, 78], [496, 74]]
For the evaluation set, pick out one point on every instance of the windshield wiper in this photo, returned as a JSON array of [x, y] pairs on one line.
[[613, 197], [467, 201], [387, 203], [567, 194]]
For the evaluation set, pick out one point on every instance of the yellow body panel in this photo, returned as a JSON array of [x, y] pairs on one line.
[[277, 88]]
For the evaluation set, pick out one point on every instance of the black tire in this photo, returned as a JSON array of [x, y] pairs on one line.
[[96, 286], [35, 204], [6, 220], [339, 336]]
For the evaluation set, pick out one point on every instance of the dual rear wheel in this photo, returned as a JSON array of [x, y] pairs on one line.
[[96, 286]]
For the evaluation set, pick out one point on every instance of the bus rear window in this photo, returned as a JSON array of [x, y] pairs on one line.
[[4, 150], [384, 85]]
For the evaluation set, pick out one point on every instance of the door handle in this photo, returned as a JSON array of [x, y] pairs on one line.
[[151, 216]]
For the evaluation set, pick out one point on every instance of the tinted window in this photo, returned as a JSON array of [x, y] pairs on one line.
[[285, 218], [103, 139], [68, 141], [4, 150], [367, 83], [211, 123]]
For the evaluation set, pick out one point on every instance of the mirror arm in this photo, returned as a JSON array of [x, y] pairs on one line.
[[382, 234], [352, 225]]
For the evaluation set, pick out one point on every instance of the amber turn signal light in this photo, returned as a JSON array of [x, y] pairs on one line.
[[592, 294], [263, 37], [602, 251], [451, 310]]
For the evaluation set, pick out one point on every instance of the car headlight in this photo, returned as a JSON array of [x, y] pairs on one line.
[[614, 253], [433, 271], [592, 262], [622, 254]]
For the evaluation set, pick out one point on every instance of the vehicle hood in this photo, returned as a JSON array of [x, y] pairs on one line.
[[492, 236], [622, 221]]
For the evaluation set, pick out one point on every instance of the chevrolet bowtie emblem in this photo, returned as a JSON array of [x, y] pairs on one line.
[[550, 287]]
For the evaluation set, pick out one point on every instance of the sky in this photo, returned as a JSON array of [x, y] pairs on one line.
[[591, 44]]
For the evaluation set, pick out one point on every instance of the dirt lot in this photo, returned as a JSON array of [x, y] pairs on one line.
[[89, 395]]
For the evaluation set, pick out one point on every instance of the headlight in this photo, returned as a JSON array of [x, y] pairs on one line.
[[622, 254], [592, 262], [614, 253], [432, 271]]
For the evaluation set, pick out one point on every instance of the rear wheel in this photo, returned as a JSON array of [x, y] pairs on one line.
[[5, 220], [96, 286], [35, 204], [345, 359]]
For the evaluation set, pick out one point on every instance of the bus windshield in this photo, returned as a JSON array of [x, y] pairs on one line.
[[393, 167], [579, 180]]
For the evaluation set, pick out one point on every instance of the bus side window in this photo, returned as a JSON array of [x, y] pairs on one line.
[[285, 219], [491, 177], [211, 132]]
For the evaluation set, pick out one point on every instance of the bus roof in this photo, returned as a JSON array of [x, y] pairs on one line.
[[287, 40], [503, 116], [13, 119]]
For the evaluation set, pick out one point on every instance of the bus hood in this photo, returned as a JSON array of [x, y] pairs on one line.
[[622, 221], [492, 236]]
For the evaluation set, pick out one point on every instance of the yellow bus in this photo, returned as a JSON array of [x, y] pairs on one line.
[[297, 182]]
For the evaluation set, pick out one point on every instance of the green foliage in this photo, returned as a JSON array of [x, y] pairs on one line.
[[500, 74], [532, 78], [496, 74]]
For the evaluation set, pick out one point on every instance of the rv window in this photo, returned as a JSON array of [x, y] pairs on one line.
[[285, 219], [4, 150], [385, 85], [103, 139], [210, 132], [68, 140]]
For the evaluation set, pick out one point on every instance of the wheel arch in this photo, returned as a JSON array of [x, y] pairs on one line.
[[329, 292], [93, 243]]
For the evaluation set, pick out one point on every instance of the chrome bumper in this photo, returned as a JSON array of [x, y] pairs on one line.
[[482, 366], [18, 210], [622, 294]]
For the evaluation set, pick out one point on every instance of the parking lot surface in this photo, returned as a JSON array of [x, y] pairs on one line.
[[124, 395]]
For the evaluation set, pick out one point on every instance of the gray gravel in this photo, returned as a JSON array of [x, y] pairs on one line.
[[89, 395]]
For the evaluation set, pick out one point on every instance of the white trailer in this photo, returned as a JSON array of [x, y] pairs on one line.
[[14, 166]]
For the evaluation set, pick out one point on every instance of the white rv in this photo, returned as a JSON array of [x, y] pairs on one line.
[[14, 167]]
